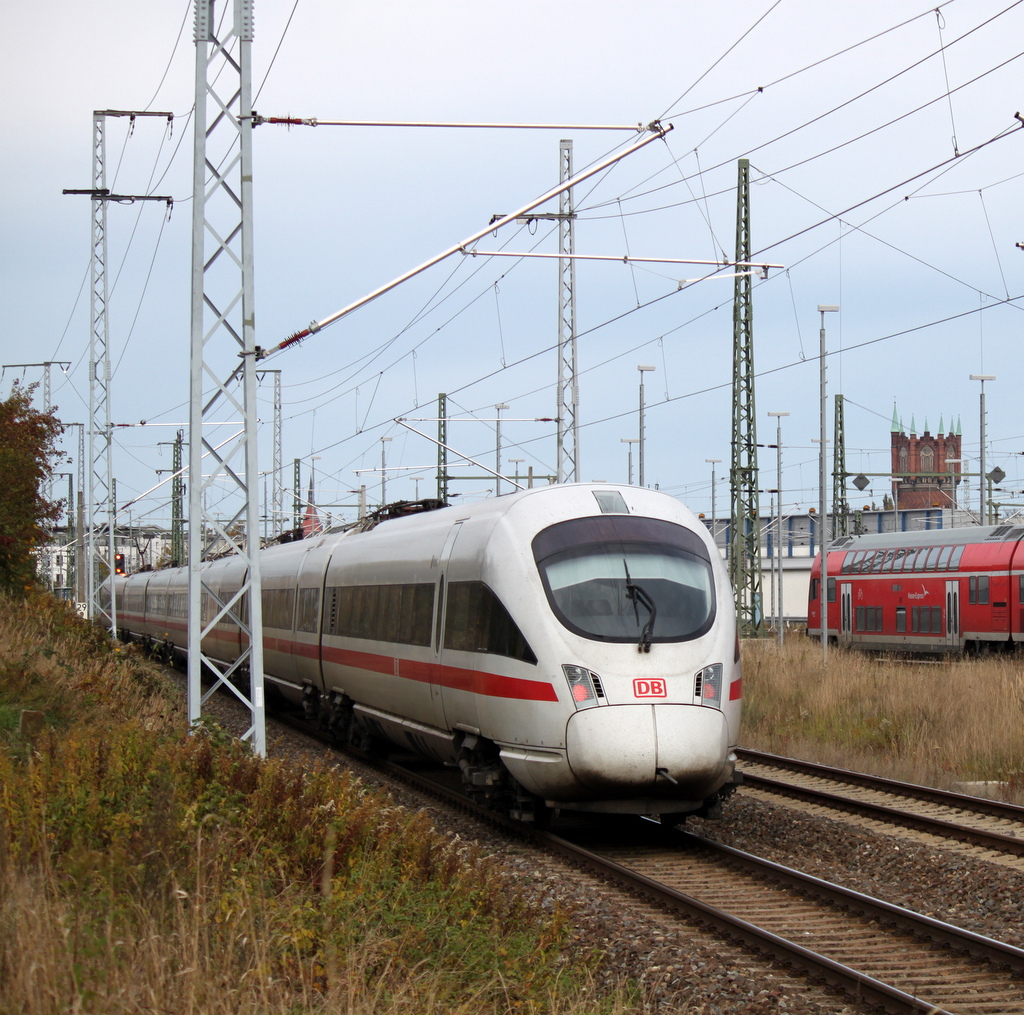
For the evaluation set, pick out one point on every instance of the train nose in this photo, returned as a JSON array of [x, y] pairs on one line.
[[676, 750]]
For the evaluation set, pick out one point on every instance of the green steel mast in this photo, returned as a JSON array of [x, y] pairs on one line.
[[840, 505], [178, 505], [442, 447], [745, 541]]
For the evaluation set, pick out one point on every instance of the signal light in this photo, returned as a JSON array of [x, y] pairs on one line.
[[118, 563], [708, 685], [581, 685]]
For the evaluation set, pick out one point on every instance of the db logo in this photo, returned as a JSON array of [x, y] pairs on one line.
[[650, 689]]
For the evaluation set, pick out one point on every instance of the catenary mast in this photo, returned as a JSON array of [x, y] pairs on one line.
[[745, 541], [223, 381]]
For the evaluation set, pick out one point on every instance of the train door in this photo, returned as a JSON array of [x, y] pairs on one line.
[[440, 602], [953, 613], [845, 613]]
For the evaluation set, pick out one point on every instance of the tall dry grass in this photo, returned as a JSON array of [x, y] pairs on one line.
[[142, 870], [940, 722]]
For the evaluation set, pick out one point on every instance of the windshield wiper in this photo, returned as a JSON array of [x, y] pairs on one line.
[[636, 595]]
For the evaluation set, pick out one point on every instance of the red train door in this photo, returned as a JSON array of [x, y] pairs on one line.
[[845, 613], [953, 613]]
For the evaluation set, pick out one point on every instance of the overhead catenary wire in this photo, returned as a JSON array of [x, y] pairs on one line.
[[835, 109], [378, 375], [656, 133], [817, 62]]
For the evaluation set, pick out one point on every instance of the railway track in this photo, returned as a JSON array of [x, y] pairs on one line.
[[994, 828], [877, 953]]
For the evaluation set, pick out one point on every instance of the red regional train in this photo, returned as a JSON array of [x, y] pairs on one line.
[[943, 590]]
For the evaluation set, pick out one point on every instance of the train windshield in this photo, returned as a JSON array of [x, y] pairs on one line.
[[589, 565]]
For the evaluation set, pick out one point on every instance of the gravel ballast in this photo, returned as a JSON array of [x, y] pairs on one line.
[[682, 968]]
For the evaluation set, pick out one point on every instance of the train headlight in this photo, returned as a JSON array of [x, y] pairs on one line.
[[707, 685], [584, 686]]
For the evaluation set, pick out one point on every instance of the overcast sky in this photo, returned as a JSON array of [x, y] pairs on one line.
[[887, 173]]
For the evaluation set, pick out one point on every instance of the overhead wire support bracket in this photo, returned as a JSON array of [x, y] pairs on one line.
[[459, 454], [627, 259], [493, 226], [312, 121], [103, 194]]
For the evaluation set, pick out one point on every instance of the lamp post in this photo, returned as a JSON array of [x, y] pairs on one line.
[[714, 517], [640, 439], [778, 538], [517, 462], [629, 442], [982, 507], [383, 465], [823, 309]]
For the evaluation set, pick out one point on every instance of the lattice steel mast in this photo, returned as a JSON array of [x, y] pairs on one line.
[[277, 499], [442, 447], [177, 504], [840, 504], [223, 360], [568, 397], [99, 494], [745, 542]]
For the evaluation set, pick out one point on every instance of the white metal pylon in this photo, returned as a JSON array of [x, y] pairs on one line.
[[223, 366], [100, 546], [99, 495], [568, 396]]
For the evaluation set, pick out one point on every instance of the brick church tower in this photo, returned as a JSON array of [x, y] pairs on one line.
[[934, 458]]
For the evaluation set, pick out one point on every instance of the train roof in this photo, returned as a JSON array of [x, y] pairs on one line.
[[930, 537]]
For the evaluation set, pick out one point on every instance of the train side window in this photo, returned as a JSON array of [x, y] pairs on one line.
[[879, 560], [1020, 588], [344, 601], [869, 618], [888, 560], [936, 619], [831, 587], [901, 620], [979, 590], [931, 559], [954, 561], [364, 610], [944, 555], [910, 560], [309, 610], [847, 563], [417, 606], [389, 615], [440, 604], [278, 608], [816, 581], [477, 621]]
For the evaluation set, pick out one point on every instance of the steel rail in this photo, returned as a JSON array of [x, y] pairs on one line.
[[855, 983], [965, 801], [959, 831]]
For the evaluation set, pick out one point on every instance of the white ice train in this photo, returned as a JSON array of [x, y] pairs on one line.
[[572, 645]]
